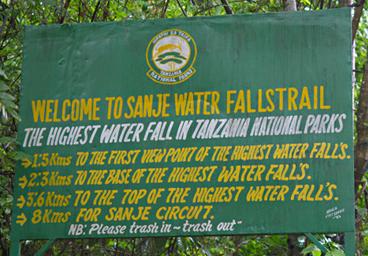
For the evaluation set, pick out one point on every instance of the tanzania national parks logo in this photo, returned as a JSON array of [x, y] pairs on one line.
[[170, 56]]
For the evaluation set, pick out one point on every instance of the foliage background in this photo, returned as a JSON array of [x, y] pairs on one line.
[[15, 14]]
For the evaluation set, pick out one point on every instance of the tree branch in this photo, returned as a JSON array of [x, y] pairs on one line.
[[290, 5], [165, 9], [361, 147], [358, 11], [106, 10], [84, 9], [227, 7], [95, 11], [181, 8], [64, 11]]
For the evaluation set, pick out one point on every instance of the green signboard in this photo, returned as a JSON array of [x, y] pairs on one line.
[[200, 126]]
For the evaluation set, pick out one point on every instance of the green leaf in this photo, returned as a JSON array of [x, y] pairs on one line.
[[312, 249], [335, 252], [14, 114], [19, 155], [9, 104], [2, 74], [6, 96], [5, 140], [3, 86]]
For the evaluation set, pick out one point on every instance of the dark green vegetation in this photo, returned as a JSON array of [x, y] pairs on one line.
[[15, 14]]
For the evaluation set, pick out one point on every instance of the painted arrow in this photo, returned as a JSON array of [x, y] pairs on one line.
[[26, 163], [23, 182], [21, 219], [21, 201]]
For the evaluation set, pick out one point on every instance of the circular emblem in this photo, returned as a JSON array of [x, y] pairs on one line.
[[170, 56]]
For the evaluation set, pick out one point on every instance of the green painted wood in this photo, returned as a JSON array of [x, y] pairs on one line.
[[285, 79], [15, 247], [350, 243]]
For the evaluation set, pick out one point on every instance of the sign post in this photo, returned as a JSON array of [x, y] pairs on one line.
[[187, 127]]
